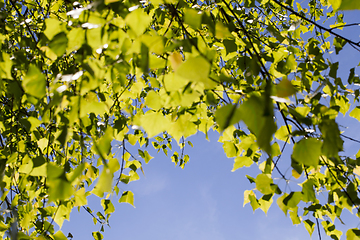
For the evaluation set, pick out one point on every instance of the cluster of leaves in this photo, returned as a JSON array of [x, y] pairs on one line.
[[80, 81]]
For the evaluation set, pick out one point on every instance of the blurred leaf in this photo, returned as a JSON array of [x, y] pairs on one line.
[[196, 69], [285, 88], [59, 236], [307, 151], [227, 116], [353, 234], [59, 44], [355, 113], [309, 225], [34, 82], [138, 21], [349, 5], [193, 18], [104, 183]]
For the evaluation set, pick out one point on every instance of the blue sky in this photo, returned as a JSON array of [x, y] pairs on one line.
[[205, 199], [202, 201]]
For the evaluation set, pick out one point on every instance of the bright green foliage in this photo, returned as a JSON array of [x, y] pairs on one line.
[[83, 84], [307, 152]]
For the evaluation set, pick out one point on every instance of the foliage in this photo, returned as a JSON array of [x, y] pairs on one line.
[[82, 81]]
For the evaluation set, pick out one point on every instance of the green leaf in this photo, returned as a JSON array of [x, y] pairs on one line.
[[222, 31], [53, 27], [332, 141], [227, 115], [97, 235], [291, 63], [59, 236], [127, 197], [104, 183], [145, 155], [292, 200], [34, 82], [308, 191], [307, 152], [282, 206], [242, 161], [349, 5], [59, 44], [39, 167], [263, 184], [333, 70], [154, 123], [353, 234], [283, 134], [54, 171], [138, 21], [196, 69], [80, 198], [252, 113], [59, 188], [285, 88], [107, 206], [339, 43], [265, 202], [230, 149], [192, 18], [355, 113], [250, 197], [335, 5], [294, 216], [309, 225], [153, 100], [5, 66], [103, 145]]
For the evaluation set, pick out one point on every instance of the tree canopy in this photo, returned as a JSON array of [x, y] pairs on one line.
[[82, 81]]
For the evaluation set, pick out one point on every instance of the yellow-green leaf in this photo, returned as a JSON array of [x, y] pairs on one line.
[[307, 151], [349, 5], [193, 18], [263, 184], [196, 69], [127, 197], [104, 183], [34, 82], [154, 123], [138, 21], [242, 161]]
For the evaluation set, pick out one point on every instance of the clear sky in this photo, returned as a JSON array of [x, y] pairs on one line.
[[204, 201]]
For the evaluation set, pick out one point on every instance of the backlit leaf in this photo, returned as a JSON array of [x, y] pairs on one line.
[[349, 5], [307, 152], [154, 123], [59, 236], [138, 21], [353, 234], [263, 184], [193, 18], [104, 183], [355, 113], [242, 161], [196, 69], [34, 82], [285, 88], [227, 116], [127, 197]]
